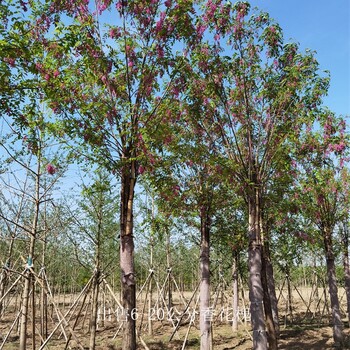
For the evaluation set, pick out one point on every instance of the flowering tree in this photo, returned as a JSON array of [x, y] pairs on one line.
[[189, 178], [104, 69], [324, 193], [261, 92]]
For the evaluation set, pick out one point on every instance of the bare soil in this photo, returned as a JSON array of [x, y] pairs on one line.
[[307, 326]]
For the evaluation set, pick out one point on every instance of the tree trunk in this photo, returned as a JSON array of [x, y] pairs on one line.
[[28, 275], [205, 312], [273, 296], [345, 241], [93, 319], [256, 294], [43, 295], [235, 291], [271, 332], [272, 289], [338, 335], [268, 285], [168, 262], [150, 298], [24, 312], [128, 180]]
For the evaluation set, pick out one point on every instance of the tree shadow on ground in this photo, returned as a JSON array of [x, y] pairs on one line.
[[308, 338]]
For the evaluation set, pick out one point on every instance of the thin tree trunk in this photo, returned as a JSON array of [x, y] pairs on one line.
[[150, 299], [205, 314], [128, 283], [28, 275], [345, 241], [93, 319], [256, 294], [290, 298], [338, 335], [43, 295], [97, 271], [235, 291], [168, 261]]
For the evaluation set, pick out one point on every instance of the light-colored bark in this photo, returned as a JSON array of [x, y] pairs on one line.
[[93, 319], [205, 312], [270, 325], [28, 275], [272, 293], [338, 327], [168, 261], [235, 292], [256, 294], [128, 282], [267, 278]]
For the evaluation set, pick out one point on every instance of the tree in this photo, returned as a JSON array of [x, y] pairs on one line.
[[261, 92], [105, 84], [34, 163], [187, 178], [95, 218], [322, 192]]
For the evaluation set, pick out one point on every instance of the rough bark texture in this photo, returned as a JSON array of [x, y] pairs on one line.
[[271, 332], [256, 295], [269, 286], [272, 291], [270, 279], [205, 314], [345, 241], [235, 291], [127, 256], [338, 335]]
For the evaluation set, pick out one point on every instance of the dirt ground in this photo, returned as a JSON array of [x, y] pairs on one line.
[[307, 327]]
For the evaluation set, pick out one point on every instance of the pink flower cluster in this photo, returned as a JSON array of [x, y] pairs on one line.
[[51, 169], [10, 60], [339, 147]]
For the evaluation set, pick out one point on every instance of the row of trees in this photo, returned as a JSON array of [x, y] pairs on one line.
[[202, 101]]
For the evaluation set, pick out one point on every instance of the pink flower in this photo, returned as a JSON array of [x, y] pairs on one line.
[[160, 23], [51, 169], [56, 73], [114, 33], [160, 52], [200, 30], [141, 170], [11, 61], [119, 5]]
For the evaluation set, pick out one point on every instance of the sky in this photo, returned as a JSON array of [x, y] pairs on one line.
[[322, 26]]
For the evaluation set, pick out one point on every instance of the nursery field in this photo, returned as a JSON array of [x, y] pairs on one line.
[[307, 327], [174, 174]]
